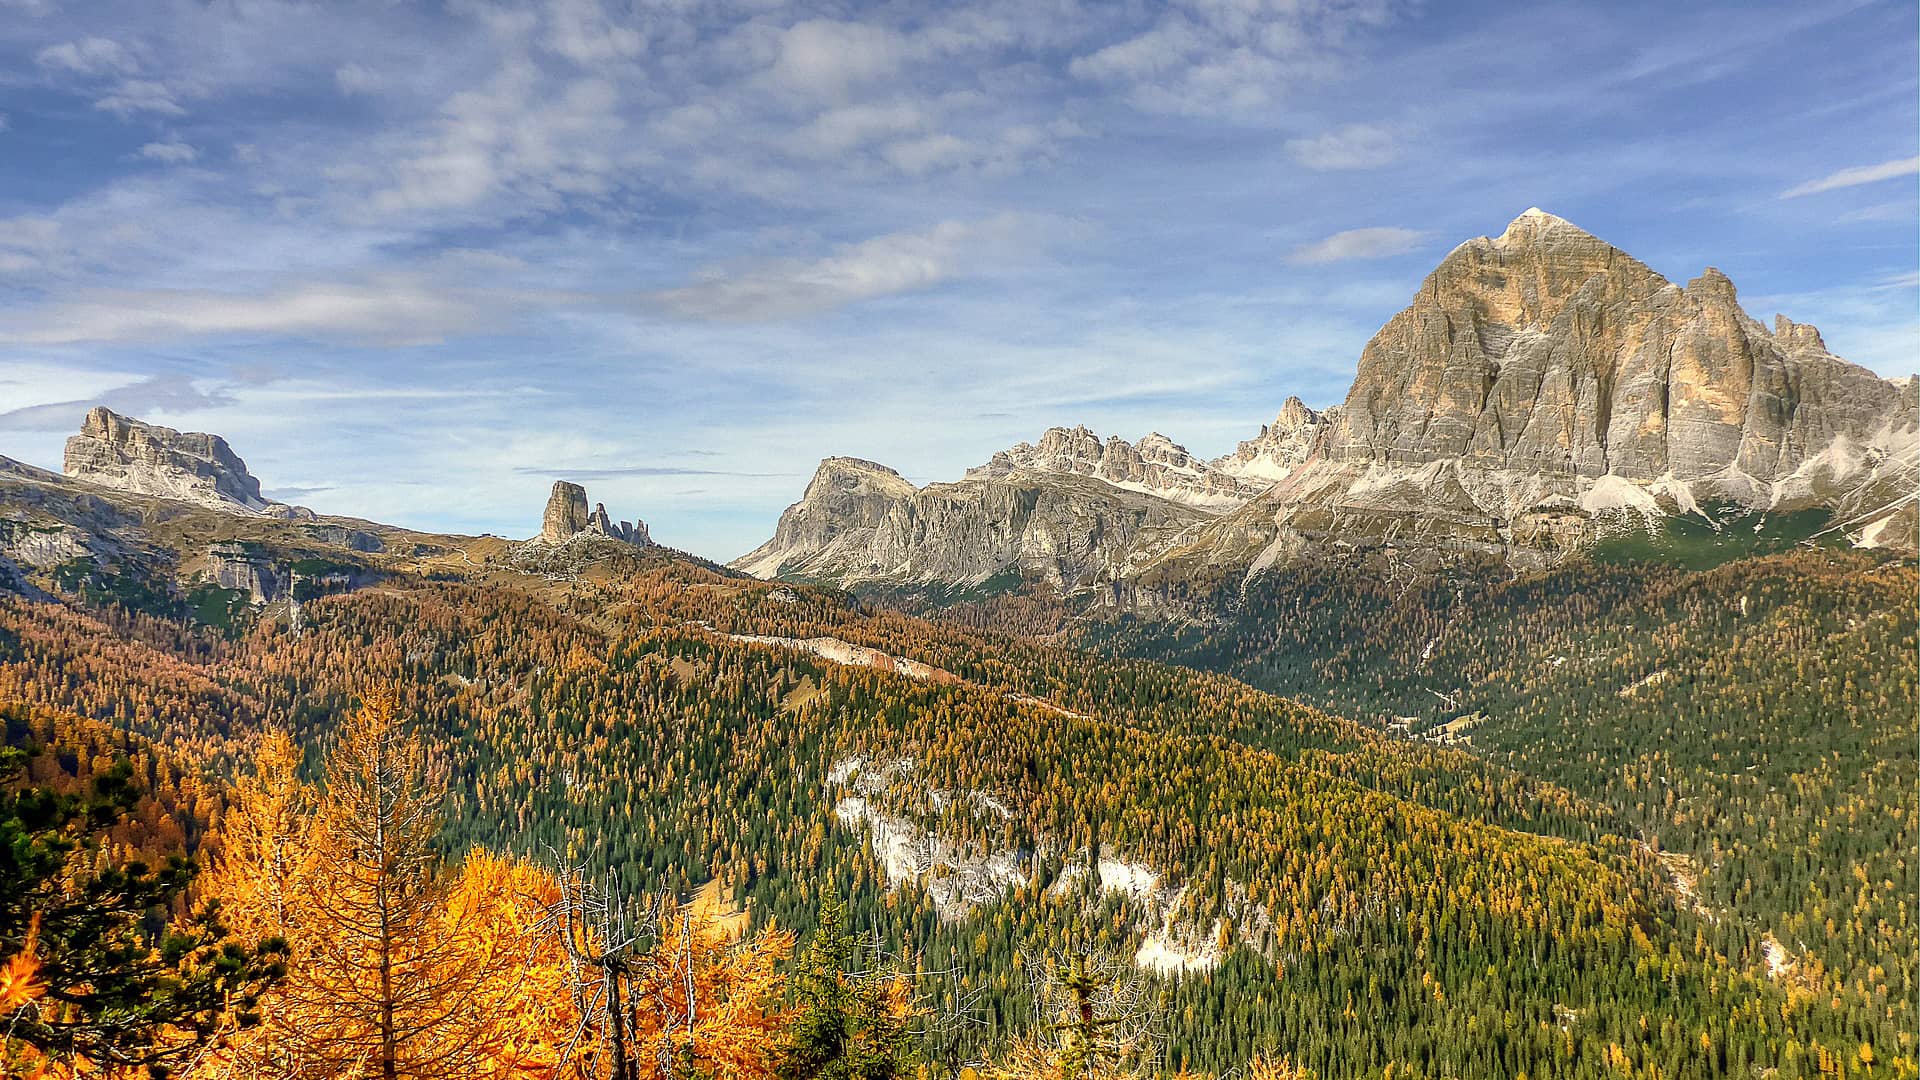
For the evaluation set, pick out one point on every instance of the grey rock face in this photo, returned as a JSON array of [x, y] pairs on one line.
[[233, 566], [42, 546], [1281, 446], [1156, 465], [567, 516], [342, 536], [1542, 387], [566, 512], [146, 459], [862, 522]]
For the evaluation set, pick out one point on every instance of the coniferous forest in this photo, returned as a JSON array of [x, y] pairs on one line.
[[660, 820]]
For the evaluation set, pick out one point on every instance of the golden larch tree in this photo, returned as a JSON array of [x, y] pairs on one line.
[[384, 980]]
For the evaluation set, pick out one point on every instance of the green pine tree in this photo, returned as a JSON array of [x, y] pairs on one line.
[[848, 1025], [118, 985]]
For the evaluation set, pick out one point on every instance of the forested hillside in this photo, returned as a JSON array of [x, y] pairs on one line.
[[1278, 882], [1755, 723]]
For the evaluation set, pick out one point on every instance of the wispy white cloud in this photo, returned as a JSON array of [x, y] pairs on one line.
[[1373, 243], [519, 136], [387, 309], [131, 97], [882, 266], [171, 152], [29, 244], [839, 130], [1355, 146], [583, 32], [89, 56], [356, 78], [1230, 57], [827, 58], [1854, 177]]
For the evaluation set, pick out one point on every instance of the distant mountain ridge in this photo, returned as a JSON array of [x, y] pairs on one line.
[[861, 521], [1542, 390]]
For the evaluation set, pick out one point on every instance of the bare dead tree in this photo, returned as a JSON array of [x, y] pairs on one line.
[[1095, 1018]]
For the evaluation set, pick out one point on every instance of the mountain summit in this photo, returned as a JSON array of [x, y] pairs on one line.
[[1543, 388], [139, 458]]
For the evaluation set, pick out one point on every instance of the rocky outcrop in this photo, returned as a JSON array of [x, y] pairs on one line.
[[1155, 466], [1281, 447], [139, 458], [861, 522], [342, 536], [42, 545], [567, 516], [566, 512], [248, 569]]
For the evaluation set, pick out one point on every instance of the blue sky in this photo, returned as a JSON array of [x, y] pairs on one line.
[[416, 260]]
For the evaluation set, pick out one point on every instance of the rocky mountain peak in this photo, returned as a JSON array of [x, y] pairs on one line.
[[855, 476], [1294, 416], [1713, 285], [1548, 373], [1155, 465], [1798, 337], [139, 458], [567, 516], [1533, 222], [1281, 446]]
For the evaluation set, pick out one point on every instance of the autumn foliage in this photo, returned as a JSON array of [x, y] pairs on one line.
[[404, 967]]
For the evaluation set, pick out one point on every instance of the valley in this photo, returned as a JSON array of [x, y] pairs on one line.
[[1545, 709]]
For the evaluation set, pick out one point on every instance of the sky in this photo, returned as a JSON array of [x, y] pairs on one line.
[[418, 260]]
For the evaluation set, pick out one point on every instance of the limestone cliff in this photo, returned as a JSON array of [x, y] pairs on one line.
[[861, 522], [139, 458], [1543, 388]]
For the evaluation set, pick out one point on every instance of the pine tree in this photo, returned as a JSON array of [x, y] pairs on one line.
[[92, 977], [847, 1025]]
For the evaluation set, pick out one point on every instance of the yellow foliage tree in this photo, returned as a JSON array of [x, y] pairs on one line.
[[398, 969], [261, 869], [702, 1000], [386, 981]]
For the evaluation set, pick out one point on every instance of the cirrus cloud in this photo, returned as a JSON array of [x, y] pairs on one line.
[[1356, 146], [1372, 243], [882, 266], [1854, 177]]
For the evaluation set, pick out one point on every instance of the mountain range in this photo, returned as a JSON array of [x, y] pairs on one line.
[[1543, 390], [1621, 772]]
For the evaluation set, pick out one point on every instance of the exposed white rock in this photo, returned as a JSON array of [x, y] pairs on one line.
[[41, 547], [1281, 447], [1155, 466], [957, 878], [139, 458], [1779, 963], [1172, 953]]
